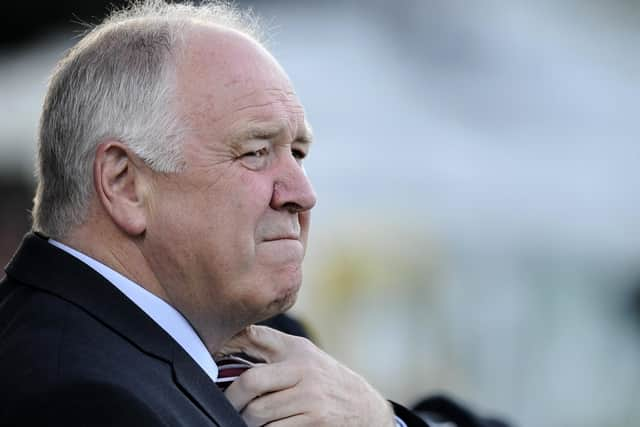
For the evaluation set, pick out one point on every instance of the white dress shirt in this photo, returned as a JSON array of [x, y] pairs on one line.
[[167, 317]]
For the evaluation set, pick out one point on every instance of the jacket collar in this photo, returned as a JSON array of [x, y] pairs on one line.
[[41, 265]]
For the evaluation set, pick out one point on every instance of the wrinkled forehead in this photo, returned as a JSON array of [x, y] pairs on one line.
[[224, 73]]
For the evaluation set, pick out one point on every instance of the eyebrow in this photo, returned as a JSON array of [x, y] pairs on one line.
[[270, 131]]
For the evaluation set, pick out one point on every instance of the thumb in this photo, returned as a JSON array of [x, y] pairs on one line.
[[260, 342]]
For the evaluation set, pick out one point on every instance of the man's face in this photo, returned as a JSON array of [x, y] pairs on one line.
[[227, 236]]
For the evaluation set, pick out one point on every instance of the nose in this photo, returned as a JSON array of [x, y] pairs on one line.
[[292, 189]]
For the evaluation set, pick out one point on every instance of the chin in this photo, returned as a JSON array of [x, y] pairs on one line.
[[287, 301], [283, 302]]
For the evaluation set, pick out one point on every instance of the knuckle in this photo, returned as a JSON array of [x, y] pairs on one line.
[[251, 417], [255, 408], [251, 381]]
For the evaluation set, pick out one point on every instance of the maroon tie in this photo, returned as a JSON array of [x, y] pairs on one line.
[[230, 367]]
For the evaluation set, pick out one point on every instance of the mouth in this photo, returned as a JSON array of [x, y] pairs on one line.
[[286, 237]]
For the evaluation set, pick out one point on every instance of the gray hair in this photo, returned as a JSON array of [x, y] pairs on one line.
[[118, 83]]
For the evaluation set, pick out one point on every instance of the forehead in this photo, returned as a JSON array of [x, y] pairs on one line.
[[224, 76]]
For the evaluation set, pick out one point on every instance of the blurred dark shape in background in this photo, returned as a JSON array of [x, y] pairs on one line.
[[15, 196], [25, 22]]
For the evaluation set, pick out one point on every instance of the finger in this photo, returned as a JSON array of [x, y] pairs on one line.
[[275, 406], [262, 342], [260, 380], [247, 341]]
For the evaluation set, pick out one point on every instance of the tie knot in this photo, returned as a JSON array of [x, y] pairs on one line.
[[230, 367]]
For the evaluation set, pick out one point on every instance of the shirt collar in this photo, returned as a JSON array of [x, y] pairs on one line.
[[167, 317]]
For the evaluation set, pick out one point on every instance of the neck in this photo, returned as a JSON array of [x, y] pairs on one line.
[[125, 255], [118, 253]]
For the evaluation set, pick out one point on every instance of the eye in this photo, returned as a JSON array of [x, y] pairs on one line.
[[298, 154], [256, 157], [257, 153]]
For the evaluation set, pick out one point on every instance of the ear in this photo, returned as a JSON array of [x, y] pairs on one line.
[[119, 179]]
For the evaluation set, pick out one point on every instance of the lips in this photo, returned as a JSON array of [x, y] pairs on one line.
[[277, 229], [285, 237]]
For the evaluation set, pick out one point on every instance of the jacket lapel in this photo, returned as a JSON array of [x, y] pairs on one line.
[[39, 264], [201, 389]]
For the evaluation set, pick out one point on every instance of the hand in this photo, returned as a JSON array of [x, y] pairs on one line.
[[300, 385]]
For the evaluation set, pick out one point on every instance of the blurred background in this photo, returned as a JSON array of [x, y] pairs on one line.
[[478, 224]]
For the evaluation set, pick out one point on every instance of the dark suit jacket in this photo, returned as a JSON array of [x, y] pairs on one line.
[[76, 351]]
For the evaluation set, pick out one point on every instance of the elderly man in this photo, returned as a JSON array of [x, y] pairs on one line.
[[172, 212]]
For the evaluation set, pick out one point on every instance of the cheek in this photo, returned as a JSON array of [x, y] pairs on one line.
[[234, 216], [305, 223], [171, 215], [252, 196], [256, 182]]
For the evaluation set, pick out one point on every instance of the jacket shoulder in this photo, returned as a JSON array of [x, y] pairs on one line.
[[48, 341]]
